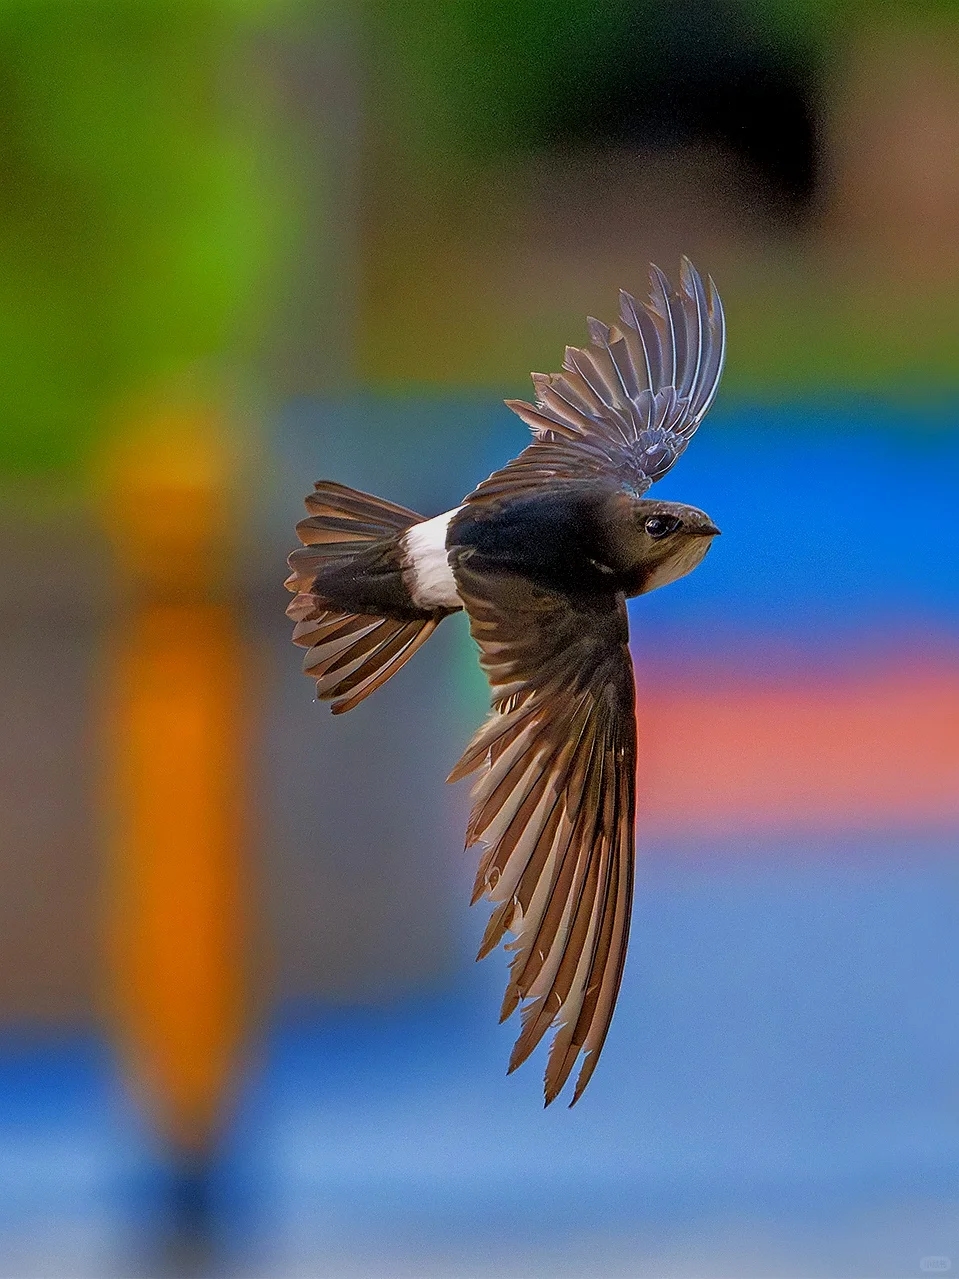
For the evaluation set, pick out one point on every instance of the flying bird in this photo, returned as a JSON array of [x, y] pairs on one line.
[[542, 556]]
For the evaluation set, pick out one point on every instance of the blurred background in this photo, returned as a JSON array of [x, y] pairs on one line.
[[249, 243]]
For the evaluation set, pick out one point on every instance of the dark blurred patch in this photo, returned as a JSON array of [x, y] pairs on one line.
[[498, 78], [686, 73]]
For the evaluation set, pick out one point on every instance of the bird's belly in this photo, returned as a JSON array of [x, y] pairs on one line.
[[426, 570]]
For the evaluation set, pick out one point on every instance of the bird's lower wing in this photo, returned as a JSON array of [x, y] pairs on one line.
[[554, 805]]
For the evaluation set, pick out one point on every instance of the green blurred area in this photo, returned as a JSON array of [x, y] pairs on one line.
[[139, 209], [473, 79], [152, 203]]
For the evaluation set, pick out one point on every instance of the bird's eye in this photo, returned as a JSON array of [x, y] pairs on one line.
[[661, 525]]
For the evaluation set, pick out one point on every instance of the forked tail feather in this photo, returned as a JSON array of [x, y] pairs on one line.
[[351, 610]]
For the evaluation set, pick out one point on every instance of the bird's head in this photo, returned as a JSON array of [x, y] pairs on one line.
[[667, 540]]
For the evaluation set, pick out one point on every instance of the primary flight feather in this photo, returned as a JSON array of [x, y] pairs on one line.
[[542, 556]]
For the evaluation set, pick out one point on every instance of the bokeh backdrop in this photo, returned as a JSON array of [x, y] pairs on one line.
[[247, 244]]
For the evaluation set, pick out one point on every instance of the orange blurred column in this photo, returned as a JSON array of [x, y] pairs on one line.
[[176, 920]]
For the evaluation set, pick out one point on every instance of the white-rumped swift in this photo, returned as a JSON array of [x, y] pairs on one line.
[[542, 556]]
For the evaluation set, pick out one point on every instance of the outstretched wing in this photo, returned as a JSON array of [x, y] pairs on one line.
[[626, 406], [555, 805]]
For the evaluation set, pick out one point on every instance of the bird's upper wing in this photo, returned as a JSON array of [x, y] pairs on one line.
[[626, 406], [555, 805]]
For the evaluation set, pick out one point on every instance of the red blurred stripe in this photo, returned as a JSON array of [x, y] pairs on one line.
[[873, 752]]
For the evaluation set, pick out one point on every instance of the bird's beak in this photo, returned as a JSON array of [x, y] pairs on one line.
[[709, 529]]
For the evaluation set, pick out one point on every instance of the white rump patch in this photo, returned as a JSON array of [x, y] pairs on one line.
[[427, 573]]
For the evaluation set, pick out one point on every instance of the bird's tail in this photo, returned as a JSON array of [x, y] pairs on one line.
[[351, 609]]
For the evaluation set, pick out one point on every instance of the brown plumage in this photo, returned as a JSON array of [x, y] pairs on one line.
[[542, 556], [350, 653], [555, 807]]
